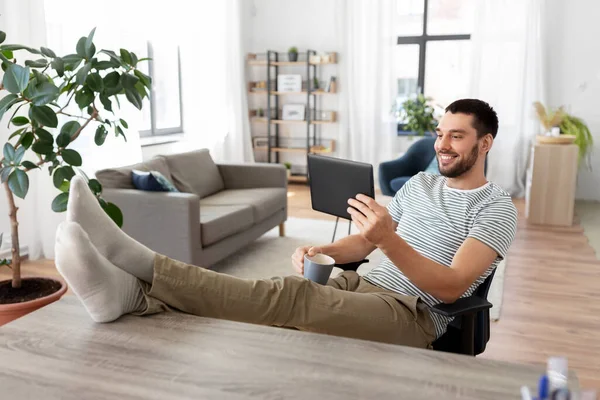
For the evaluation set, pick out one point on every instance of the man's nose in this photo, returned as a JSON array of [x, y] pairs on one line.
[[443, 143]]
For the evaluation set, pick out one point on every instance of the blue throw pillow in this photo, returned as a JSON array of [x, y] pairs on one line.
[[152, 181], [433, 168]]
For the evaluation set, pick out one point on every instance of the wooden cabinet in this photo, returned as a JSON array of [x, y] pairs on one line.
[[551, 182]]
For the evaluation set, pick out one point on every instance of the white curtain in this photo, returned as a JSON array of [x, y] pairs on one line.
[[367, 84], [236, 145], [24, 23], [508, 73]]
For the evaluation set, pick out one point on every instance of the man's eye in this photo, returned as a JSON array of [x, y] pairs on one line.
[[456, 137]]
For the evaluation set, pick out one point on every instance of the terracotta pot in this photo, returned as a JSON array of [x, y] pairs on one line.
[[10, 312]]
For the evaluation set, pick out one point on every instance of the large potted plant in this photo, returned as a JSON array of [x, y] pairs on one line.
[[35, 94]]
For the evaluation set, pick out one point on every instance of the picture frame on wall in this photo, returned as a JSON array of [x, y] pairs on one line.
[[293, 112]]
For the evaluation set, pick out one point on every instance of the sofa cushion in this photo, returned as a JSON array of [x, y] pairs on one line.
[[152, 181], [264, 201], [120, 178], [219, 222], [195, 172]]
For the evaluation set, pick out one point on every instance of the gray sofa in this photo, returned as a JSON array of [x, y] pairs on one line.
[[220, 207]]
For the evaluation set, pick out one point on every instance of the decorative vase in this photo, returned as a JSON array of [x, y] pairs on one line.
[[10, 312]]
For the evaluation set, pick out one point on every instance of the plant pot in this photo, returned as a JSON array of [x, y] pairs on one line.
[[560, 139], [293, 56], [10, 312], [288, 173]]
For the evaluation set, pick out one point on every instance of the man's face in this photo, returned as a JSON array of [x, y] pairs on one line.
[[457, 146]]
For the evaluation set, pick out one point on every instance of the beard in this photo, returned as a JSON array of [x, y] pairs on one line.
[[461, 166]]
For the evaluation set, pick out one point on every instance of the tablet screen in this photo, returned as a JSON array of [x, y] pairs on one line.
[[334, 180]]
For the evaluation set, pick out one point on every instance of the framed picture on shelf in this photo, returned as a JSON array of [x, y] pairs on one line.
[[293, 112], [289, 83]]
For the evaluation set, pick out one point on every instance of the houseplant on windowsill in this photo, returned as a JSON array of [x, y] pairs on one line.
[[417, 115], [42, 89]]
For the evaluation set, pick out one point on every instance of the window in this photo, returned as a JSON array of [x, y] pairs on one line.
[[434, 50], [162, 112]]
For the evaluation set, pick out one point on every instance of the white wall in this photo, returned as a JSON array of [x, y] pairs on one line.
[[573, 74]]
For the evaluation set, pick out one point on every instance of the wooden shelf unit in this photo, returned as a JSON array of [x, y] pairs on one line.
[[268, 87]]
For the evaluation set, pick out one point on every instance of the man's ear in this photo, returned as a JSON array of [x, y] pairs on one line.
[[486, 143]]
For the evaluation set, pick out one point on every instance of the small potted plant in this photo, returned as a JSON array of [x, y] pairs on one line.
[[315, 83], [35, 95], [288, 168], [293, 54], [259, 112], [418, 115]]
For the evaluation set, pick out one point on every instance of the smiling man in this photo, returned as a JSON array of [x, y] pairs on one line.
[[442, 235]]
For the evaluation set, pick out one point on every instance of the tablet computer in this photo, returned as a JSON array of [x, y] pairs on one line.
[[334, 180]]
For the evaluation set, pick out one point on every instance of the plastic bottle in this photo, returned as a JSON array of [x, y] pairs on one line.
[[558, 373]]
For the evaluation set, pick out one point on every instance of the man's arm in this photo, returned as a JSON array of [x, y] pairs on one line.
[[350, 249], [447, 284]]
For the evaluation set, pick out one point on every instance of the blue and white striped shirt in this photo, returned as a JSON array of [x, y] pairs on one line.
[[435, 220]]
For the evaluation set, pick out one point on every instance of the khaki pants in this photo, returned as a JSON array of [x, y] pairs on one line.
[[348, 306]]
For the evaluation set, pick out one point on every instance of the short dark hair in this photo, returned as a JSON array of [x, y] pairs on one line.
[[485, 119]]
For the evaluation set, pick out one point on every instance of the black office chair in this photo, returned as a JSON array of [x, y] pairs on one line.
[[469, 332]]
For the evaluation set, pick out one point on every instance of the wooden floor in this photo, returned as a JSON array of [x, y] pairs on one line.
[[551, 298]]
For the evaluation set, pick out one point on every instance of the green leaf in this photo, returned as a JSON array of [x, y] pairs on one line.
[[9, 152], [114, 213], [29, 165], [126, 56], [134, 59], [72, 61], [84, 98], [2, 37], [20, 47], [71, 157], [141, 89], [16, 78], [112, 80], [119, 131], [44, 115], [66, 133], [18, 182], [113, 56], [40, 63], [80, 48], [17, 133], [101, 65], [20, 121], [89, 47], [44, 136], [65, 186], [68, 172], [101, 134], [59, 66], [95, 82], [124, 123], [27, 139], [128, 81], [19, 153], [7, 102], [106, 102], [134, 98], [44, 93], [7, 54], [4, 173], [43, 148], [95, 186], [83, 73], [47, 52], [58, 178], [146, 80], [59, 204]]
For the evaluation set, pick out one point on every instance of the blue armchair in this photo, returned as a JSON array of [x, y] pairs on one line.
[[393, 174]]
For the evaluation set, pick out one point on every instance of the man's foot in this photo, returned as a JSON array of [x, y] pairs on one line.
[[106, 236], [107, 292]]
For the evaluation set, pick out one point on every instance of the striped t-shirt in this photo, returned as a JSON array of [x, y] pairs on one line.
[[435, 220]]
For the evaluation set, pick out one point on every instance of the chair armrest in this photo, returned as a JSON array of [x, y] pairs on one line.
[[464, 305], [166, 222], [249, 176], [388, 170]]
